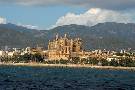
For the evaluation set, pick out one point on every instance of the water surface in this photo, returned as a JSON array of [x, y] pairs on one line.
[[64, 78]]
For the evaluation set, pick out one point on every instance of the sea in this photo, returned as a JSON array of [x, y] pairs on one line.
[[64, 78]]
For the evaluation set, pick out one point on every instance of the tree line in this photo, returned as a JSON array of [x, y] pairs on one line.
[[26, 58], [125, 62], [37, 57]]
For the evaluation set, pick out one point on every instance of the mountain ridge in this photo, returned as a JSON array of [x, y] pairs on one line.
[[109, 35]]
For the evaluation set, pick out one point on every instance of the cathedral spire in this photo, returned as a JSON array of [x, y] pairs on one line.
[[57, 36], [65, 35]]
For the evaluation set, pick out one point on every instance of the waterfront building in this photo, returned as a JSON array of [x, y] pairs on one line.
[[65, 48], [10, 54], [2, 53]]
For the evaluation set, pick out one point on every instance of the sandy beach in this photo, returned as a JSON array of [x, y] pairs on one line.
[[69, 65]]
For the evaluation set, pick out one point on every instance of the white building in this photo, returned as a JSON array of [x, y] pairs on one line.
[[11, 54], [2, 53]]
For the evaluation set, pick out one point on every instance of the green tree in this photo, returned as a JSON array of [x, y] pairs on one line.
[[62, 61], [75, 60], [127, 62], [114, 63], [26, 57], [38, 57], [104, 62], [93, 61]]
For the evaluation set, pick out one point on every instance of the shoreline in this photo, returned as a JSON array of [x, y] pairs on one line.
[[70, 65]]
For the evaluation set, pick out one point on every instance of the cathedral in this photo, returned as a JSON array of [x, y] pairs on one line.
[[64, 48]]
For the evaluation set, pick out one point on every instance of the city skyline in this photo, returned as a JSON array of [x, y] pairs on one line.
[[67, 44]]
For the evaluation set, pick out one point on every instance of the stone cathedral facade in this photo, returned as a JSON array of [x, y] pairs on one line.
[[64, 48]]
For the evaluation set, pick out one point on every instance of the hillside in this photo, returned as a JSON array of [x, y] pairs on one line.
[[109, 35], [18, 36]]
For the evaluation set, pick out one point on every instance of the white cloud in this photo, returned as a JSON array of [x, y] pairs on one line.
[[28, 26], [31, 26], [94, 16], [2, 20]]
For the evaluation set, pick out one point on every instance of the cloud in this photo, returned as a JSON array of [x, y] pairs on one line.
[[94, 16], [28, 26], [3, 20], [104, 4], [31, 26]]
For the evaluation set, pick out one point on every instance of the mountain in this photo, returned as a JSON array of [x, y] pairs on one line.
[[109, 35], [17, 36]]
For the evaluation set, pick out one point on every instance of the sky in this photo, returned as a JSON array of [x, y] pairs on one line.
[[46, 14]]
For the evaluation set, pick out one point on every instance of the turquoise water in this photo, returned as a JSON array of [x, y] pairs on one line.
[[59, 78]]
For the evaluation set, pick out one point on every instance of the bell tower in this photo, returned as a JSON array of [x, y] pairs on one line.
[[57, 36]]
